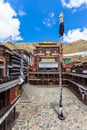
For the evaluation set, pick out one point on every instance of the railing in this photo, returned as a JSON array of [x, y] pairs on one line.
[[5, 79], [7, 85], [8, 111], [75, 74], [81, 88], [47, 72]]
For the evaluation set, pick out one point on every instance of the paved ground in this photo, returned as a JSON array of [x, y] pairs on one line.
[[37, 110]]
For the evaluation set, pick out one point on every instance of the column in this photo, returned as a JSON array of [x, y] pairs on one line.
[[6, 98], [14, 113], [5, 125], [4, 69]]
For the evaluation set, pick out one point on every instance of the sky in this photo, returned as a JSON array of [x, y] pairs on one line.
[[38, 20]]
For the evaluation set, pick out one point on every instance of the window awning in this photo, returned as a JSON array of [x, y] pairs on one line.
[[48, 65]]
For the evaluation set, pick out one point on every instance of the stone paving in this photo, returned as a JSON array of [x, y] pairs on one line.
[[38, 108]]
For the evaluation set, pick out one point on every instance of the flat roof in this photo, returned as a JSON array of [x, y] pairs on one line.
[[48, 44]]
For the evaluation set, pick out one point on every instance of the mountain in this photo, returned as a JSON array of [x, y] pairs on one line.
[[28, 47], [76, 46]]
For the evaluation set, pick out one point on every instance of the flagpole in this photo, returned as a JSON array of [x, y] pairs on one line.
[[61, 31]]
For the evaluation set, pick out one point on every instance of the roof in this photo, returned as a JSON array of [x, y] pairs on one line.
[[48, 56], [67, 60], [47, 44], [22, 51], [6, 49], [10, 45]]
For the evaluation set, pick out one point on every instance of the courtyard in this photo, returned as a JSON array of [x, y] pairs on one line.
[[38, 110]]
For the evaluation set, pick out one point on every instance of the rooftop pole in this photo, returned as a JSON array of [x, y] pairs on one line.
[[61, 31]]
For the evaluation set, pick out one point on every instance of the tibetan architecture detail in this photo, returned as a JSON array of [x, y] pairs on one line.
[[41, 67], [14, 66]]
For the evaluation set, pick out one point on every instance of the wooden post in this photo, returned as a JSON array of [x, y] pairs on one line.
[[28, 70], [5, 125], [43, 79], [54, 78], [37, 62], [4, 69], [61, 31], [6, 98], [14, 113], [58, 62]]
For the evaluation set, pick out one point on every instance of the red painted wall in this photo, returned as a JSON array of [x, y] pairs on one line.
[[14, 94]]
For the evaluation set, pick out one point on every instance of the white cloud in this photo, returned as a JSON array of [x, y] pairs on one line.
[[38, 29], [75, 34], [51, 14], [21, 13], [74, 10], [9, 24], [1, 1], [74, 3], [49, 21]]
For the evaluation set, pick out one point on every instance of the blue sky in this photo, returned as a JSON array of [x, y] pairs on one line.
[[38, 20]]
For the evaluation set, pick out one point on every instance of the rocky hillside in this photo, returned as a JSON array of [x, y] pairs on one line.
[[77, 46], [29, 46]]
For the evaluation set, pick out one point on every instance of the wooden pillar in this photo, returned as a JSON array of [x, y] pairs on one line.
[[54, 78], [37, 62], [58, 62], [28, 73], [48, 77], [4, 69], [14, 113], [6, 99], [37, 79], [44, 69], [42, 80], [5, 125]]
